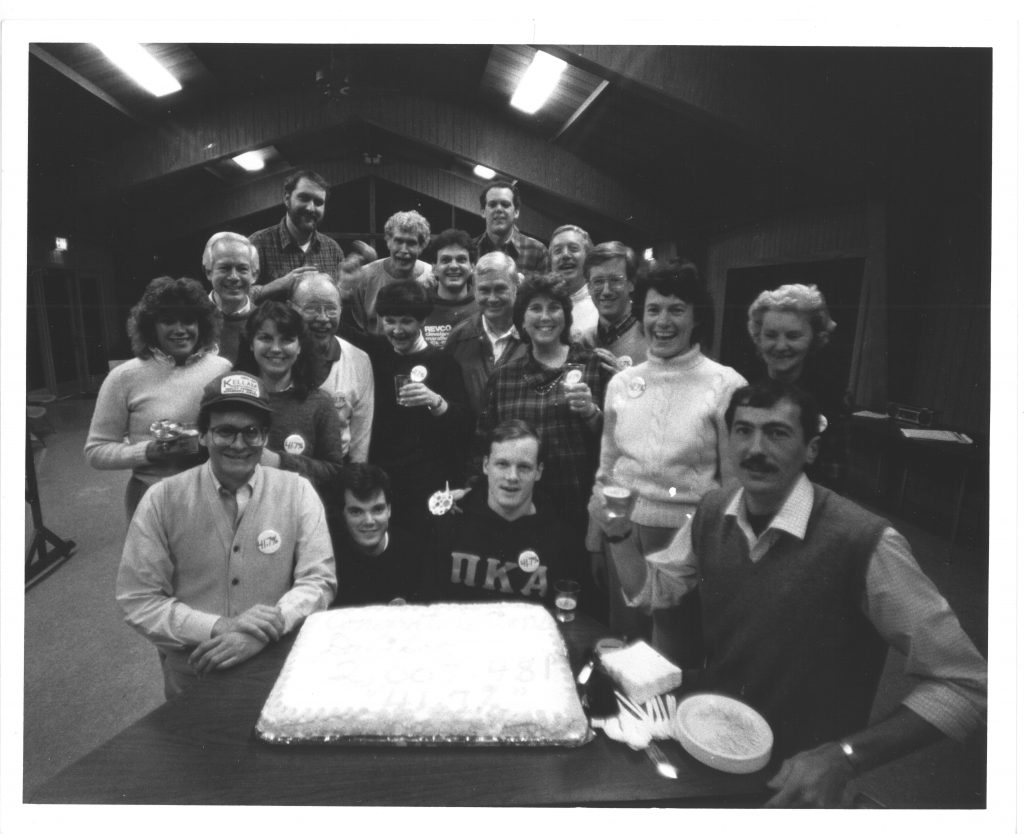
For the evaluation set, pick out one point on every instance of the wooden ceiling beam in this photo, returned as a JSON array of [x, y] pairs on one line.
[[446, 128]]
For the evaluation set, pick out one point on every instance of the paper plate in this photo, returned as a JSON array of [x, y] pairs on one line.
[[723, 733]]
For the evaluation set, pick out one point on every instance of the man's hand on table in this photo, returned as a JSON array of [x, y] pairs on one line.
[[226, 650], [262, 622], [812, 779]]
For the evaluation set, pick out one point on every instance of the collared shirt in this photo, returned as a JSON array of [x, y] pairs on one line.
[[901, 603], [279, 253], [500, 342], [609, 334], [235, 501], [530, 255], [165, 359], [241, 313]]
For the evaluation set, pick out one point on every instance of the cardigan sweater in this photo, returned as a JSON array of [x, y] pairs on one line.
[[787, 633], [665, 434], [133, 396]]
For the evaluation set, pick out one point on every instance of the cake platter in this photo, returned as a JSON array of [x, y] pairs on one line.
[[445, 674]]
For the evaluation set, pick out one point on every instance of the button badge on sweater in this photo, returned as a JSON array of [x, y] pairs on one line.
[[529, 561], [418, 373], [637, 386], [269, 541], [295, 444]]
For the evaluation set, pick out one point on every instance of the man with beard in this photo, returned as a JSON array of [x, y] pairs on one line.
[[569, 248], [294, 246], [377, 562], [231, 264], [222, 559], [406, 234], [487, 340], [499, 206], [453, 302], [801, 594], [618, 337], [343, 370]]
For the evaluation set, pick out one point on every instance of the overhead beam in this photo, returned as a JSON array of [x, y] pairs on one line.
[[81, 81], [245, 123]]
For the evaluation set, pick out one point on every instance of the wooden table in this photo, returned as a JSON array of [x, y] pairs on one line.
[[200, 748]]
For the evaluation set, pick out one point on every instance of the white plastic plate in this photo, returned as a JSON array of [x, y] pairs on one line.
[[723, 733]]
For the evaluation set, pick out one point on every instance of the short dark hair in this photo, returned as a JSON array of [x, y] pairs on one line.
[[404, 298], [181, 298], [681, 279], [500, 184], [203, 421], [453, 237], [292, 180], [542, 285], [289, 322], [609, 251], [514, 429], [363, 480], [767, 393]]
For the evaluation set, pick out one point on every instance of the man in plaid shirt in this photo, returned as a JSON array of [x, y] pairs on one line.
[[499, 205]]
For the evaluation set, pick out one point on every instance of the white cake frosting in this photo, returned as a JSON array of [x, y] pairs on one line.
[[443, 673]]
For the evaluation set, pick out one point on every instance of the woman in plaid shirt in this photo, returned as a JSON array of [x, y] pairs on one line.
[[557, 388]]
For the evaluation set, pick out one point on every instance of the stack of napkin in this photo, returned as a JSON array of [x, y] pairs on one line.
[[641, 672]]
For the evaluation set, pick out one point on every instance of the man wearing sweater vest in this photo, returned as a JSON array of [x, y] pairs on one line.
[[225, 557], [801, 594]]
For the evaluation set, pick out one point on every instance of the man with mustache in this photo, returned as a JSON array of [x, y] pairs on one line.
[[231, 264], [499, 206], [294, 246], [801, 593], [569, 247]]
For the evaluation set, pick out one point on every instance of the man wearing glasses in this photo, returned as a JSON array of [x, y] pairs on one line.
[[344, 371], [228, 556], [618, 337]]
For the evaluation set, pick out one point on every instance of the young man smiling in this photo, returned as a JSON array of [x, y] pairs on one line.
[[504, 542], [226, 557], [452, 298], [801, 594], [499, 206]]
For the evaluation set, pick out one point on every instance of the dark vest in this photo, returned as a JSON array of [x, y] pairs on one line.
[[787, 634]]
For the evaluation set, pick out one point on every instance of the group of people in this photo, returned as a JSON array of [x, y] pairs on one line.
[[354, 430]]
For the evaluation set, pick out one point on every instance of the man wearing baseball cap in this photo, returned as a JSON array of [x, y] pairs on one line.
[[227, 556]]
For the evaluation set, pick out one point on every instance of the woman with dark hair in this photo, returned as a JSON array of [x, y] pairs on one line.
[[420, 411], [557, 388], [791, 327], [664, 434], [173, 330], [305, 433]]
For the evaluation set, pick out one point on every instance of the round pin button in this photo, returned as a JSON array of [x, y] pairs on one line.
[[418, 373], [529, 561], [637, 387], [574, 376], [295, 444], [269, 541], [624, 362]]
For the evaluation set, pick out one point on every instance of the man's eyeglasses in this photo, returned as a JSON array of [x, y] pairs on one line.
[[611, 283], [311, 311], [251, 435]]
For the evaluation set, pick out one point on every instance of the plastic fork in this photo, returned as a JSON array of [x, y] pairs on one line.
[[660, 711], [654, 753]]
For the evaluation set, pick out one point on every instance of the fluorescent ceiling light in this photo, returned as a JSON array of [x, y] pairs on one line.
[[250, 160], [142, 67], [537, 82], [483, 172]]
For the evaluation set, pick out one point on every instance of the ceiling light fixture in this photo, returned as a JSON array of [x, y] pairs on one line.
[[538, 82], [484, 172], [250, 160], [142, 67]]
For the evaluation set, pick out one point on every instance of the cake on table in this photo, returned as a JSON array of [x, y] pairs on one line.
[[447, 673]]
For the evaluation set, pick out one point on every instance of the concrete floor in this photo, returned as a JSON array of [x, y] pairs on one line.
[[87, 675]]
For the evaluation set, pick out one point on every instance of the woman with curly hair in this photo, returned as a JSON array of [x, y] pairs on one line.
[[791, 328], [557, 387], [305, 431], [174, 330]]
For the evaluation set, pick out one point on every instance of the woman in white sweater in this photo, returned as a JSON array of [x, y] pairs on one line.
[[174, 330], [664, 429]]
